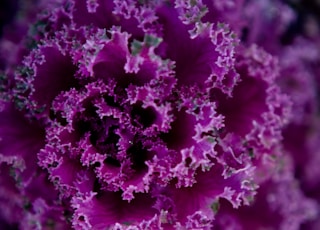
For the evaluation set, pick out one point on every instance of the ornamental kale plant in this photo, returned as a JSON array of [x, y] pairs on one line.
[[158, 114]]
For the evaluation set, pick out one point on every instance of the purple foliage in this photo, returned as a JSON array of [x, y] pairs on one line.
[[155, 114]]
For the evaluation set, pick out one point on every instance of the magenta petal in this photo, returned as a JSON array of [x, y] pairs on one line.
[[105, 210], [203, 58], [14, 126], [204, 193], [57, 67], [182, 131], [112, 57], [279, 204], [104, 15], [113, 60]]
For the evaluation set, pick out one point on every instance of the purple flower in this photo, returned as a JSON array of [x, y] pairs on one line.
[[141, 115]]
